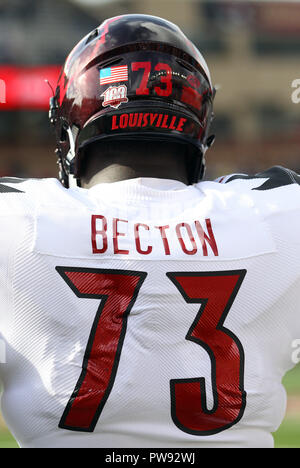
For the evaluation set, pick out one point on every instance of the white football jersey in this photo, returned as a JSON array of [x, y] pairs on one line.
[[148, 313]]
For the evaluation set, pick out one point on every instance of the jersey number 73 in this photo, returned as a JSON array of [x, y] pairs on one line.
[[117, 291]]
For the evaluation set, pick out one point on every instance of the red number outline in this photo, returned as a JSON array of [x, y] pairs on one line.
[[82, 412], [185, 392]]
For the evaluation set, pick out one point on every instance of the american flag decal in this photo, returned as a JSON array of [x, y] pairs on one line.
[[113, 75]]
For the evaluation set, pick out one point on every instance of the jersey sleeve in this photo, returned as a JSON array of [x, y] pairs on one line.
[[11, 209], [272, 178], [10, 184], [13, 213], [274, 194]]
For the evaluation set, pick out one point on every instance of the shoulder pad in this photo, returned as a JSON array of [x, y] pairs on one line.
[[276, 176]]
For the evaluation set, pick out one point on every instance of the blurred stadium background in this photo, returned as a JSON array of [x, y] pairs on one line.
[[252, 49]]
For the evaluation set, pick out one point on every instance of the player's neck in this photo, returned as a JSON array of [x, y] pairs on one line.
[[120, 172], [115, 162]]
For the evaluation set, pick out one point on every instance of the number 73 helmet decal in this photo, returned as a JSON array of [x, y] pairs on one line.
[[134, 77]]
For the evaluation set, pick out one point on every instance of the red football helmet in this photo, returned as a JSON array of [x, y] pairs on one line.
[[134, 77]]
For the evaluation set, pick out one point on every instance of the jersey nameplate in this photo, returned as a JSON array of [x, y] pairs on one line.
[[103, 235]]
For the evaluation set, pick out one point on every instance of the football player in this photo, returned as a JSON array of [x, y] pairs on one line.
[[140, 305]]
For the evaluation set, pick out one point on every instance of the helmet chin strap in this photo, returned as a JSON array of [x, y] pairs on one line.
[[70, 159], [72, 181]]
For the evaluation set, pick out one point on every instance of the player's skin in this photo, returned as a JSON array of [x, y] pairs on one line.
[[115, 162]]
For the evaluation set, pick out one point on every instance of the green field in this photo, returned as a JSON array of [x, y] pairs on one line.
[[288, 435]]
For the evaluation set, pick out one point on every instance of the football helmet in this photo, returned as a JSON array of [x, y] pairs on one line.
[[134, 77]]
